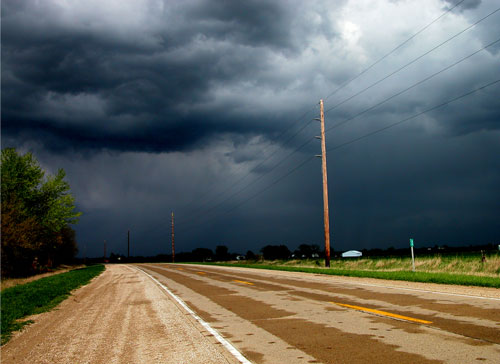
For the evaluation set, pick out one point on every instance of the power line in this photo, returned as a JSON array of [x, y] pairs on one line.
[[392, 51], [337, 125], [414, 116], [253, 169], [306, 161], [297, 167], [378, 61], [199, 212], [342, 86], [263, 161], [258, 178], [384, 78], [411, 62], [412, 86], [303, 163]]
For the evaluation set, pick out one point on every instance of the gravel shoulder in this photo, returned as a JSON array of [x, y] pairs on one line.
[[122, 316]]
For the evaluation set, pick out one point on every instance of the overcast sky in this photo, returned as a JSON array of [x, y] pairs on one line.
[[206, 108]]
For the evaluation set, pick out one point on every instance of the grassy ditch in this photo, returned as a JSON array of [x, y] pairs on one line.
[[39, 296], [399, 275], [467, 263]]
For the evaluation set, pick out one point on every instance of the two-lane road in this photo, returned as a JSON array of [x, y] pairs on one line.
[[280, 317]]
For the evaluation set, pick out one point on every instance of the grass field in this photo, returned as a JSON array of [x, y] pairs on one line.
[[466, 269], [469, 264], [39, 296]]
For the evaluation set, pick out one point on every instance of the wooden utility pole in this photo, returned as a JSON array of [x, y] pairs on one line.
[[173, 240], [128, 244], [325, 186]]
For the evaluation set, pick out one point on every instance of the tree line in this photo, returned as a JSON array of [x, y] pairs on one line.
[[304, 251], [37, 213], [221, 253]]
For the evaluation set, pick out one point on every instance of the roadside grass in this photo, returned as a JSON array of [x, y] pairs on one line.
[[468, 264], [467, 269], [11, 282], [39, 296]]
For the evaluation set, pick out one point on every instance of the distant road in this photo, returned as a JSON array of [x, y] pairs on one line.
[[281, 317]]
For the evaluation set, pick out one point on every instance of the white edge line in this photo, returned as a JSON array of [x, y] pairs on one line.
[[214, 332]]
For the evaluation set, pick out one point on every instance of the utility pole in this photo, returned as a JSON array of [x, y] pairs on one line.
[[173, 240], [325, 185], [128, 244], [104, 249]]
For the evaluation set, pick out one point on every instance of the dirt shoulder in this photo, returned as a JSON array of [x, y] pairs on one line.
[[120, 317], [11, 282]]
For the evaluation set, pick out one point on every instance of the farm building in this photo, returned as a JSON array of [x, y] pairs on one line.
[[352, 254]]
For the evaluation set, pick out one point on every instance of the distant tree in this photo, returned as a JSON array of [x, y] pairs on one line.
[[118, 258], [36, 212], [307, 251], [273, 252], [201, 254], [221, 252], [251, 255]]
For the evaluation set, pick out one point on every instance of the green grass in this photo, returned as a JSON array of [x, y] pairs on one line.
[[461, 263], [400, 275], [40, 296]]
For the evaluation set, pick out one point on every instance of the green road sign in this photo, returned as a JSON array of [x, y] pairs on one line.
[[411, 243]]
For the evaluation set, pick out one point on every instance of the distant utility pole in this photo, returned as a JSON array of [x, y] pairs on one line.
[[325, 185], [173, 240], [128, 244], [104, 249]]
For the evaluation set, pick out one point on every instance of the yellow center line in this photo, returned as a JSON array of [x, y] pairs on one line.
[[201, 272], [383, 313], [235, 280]]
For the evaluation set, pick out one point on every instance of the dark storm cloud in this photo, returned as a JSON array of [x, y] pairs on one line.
[[90, 85], [81, 80], [253, 23]]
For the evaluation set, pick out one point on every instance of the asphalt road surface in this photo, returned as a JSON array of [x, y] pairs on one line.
[[281, 317]]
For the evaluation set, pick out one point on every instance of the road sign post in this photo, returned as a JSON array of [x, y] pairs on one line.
[[412, 256]]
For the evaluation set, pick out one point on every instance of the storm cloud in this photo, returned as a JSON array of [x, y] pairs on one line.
[[153, 106]]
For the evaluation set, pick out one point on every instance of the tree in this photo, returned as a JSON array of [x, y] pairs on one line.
[[21, 238], [307, 251], [56, 204], [36, 213], [251, 255], [273, 252], [202, 254], [66, 247], [221, 252]]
